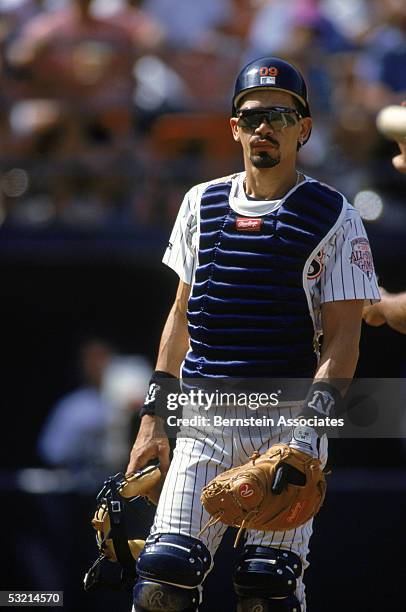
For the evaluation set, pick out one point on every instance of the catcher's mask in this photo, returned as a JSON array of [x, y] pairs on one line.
[[122, 512], [272, 73]]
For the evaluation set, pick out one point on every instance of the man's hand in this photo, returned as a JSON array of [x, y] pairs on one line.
[[391, 310], [305, 440], [399, 161], [151, 443], [374, 315]]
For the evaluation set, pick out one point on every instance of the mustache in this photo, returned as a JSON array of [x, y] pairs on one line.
[[268, 138]]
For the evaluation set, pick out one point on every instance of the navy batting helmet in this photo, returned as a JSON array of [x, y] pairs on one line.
[[271, 73]]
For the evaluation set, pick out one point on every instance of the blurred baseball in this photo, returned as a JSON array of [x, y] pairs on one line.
[[391, 122]]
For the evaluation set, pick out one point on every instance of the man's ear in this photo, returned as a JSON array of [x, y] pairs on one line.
[[305, 127], [234, 128]]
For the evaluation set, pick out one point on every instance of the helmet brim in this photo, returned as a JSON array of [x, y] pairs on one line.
[[244, 92]]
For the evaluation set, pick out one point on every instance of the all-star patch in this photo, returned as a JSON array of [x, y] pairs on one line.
[[248, 224], [361, 256]]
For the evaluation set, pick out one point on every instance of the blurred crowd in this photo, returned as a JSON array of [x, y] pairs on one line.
[[111, 109], [89, 431]]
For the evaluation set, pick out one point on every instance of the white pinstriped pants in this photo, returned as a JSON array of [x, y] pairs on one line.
[[203, 456]]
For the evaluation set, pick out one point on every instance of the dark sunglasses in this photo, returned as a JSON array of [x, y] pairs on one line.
[[278, 117]]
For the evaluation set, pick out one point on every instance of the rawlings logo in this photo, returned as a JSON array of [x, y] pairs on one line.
[[157, 600], [245, 490], [295, 511], [249, 225]]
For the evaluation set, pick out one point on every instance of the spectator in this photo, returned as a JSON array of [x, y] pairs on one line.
[[83, 62], [381, 66], [74, 431], [125, 384], [353, 19], [146, 32], [271, 29], [187, 24], [88, 430]]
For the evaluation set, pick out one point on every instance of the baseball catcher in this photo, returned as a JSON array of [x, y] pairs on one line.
[[274, 268]]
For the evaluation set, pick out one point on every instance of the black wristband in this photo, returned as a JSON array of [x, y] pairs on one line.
[[322, 400], [155, 393]]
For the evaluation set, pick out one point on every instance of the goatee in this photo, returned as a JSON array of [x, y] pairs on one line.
[[264, 160]]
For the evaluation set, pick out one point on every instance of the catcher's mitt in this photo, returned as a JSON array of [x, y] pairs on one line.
[[117, 502], [140, 484], [276, 491]]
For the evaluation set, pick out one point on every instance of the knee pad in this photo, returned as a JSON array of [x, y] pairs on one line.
[[161, 597], [267, 576], [170, 568]]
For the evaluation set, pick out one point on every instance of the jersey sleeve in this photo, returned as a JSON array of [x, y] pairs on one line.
[[180, 253], [348, 272]]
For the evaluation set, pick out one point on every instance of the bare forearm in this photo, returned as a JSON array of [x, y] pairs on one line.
[[340, 349], [175, 337], [339, 356], [338, 359], [393, 308]]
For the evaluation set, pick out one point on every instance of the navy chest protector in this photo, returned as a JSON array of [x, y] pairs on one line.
[[248, 312]]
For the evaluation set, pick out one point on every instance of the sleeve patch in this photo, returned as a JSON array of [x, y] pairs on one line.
[[361, 256]]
